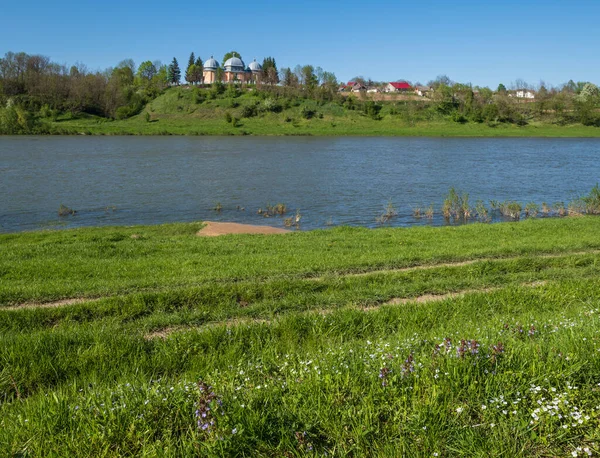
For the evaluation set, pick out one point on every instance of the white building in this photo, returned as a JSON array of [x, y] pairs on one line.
[[524, 94]]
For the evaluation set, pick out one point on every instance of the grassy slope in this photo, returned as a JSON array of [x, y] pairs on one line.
[[176, 113], [277, 326]]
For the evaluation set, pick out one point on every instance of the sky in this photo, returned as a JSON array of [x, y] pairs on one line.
[[481, 42]]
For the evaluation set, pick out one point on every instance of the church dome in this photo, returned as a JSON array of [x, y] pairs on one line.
[[211, 64]]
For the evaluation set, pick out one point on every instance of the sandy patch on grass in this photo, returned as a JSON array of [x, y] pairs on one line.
[[49, 305], [213, 229]]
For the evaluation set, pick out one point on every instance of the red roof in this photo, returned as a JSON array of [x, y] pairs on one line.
[[401, 85]]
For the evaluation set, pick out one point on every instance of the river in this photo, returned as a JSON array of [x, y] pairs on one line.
[[331, 181]]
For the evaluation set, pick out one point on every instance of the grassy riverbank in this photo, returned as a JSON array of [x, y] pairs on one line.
[[181, 111], [479, 340]]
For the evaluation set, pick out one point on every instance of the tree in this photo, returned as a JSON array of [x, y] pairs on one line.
[[191, 73], [269, 68], [441, 80], [309, 78], [174, 72], [127, 63], [146, 71], [194, 74], [229, 55], [329, 81], [501, 88], [288, 77], [589, 93], [520, 84], [359, 79]]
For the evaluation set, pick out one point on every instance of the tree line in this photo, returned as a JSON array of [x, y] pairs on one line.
[[33, 88]]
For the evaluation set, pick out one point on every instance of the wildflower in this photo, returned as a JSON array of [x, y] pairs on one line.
[[383, 373], [459, 410], [408, 365]]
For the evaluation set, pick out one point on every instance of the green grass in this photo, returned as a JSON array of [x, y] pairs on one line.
[[298, 340], [177, 113]]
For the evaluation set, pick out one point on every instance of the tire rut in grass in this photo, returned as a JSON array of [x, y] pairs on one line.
[[324, 277], [163, 333]]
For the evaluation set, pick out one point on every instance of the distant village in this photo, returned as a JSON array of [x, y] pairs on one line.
[[235, 70], [406, 88]]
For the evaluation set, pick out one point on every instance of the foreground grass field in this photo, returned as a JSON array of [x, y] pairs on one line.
[[480, 340]]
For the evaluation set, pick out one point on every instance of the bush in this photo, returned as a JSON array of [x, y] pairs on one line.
[[271, 105], [307, 113], [248, 111], [459, 117], [198, 96], [372, 109], [228, 117]]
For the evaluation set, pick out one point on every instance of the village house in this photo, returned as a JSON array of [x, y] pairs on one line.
[[523, 94], [358, 87], [399, 86], [422, 91]]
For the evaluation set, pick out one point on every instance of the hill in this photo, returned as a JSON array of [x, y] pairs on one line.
[[209, 111]]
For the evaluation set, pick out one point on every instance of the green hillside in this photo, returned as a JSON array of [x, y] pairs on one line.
[[193, 111]]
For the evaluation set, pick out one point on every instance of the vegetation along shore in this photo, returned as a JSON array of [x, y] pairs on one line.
[[38, 96], [475, 340]]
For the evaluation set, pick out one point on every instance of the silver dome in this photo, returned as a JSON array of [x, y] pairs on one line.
[[255, 66], [234, 64], [211, 64]]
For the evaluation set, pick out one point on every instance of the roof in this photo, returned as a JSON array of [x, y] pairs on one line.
[[255, 66], [235, 64], [401, 85], [211, 64]]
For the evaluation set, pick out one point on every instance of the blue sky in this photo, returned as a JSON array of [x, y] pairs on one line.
[[481, 42]]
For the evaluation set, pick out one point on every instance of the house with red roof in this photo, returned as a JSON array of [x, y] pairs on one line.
[[399, 86]]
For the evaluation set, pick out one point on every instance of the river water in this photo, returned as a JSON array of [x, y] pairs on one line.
[[331, 181]]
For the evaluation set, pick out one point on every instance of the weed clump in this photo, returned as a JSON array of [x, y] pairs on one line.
[[511, 209], [279, 209], [481, 212], [293, 221], [531, 210], [456, 206], [63, 210], [388, 214]]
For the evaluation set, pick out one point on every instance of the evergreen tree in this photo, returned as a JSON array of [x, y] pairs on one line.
[[191, 61], [199, 70], [174, 72], [270, 73]]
